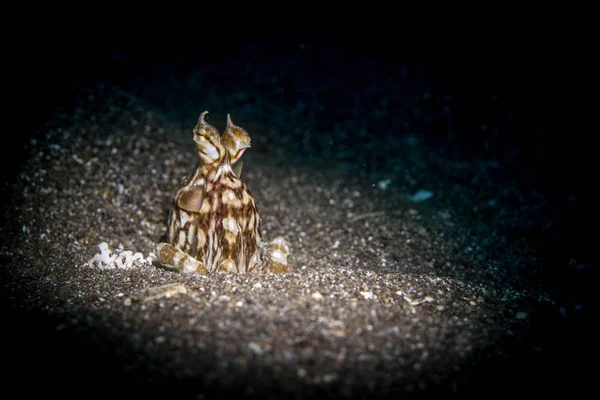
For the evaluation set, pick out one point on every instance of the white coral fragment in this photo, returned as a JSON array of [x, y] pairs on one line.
[[106, 259]]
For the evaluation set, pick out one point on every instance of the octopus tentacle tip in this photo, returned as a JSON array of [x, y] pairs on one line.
[[201, 119]]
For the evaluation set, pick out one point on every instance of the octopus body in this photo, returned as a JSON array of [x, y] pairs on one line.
[[214, 225]]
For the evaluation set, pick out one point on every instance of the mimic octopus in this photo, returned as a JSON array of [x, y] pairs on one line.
[[214, 225]]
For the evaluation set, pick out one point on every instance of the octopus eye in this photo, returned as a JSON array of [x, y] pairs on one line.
[[235, 140], [207, 151], [207, 141]]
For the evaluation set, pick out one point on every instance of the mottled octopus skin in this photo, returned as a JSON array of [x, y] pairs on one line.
[[214, 225]]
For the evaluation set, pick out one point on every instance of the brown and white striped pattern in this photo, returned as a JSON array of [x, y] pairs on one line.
[[214, 225]]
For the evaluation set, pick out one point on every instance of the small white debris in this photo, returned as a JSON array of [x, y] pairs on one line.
[[427, 299], [383, 185], [255, 348], [317, 296], [421, 195], [77, 159], [223, 298], [367, 295]]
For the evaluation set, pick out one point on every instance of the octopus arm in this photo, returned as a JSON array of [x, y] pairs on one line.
[[237, 168]]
